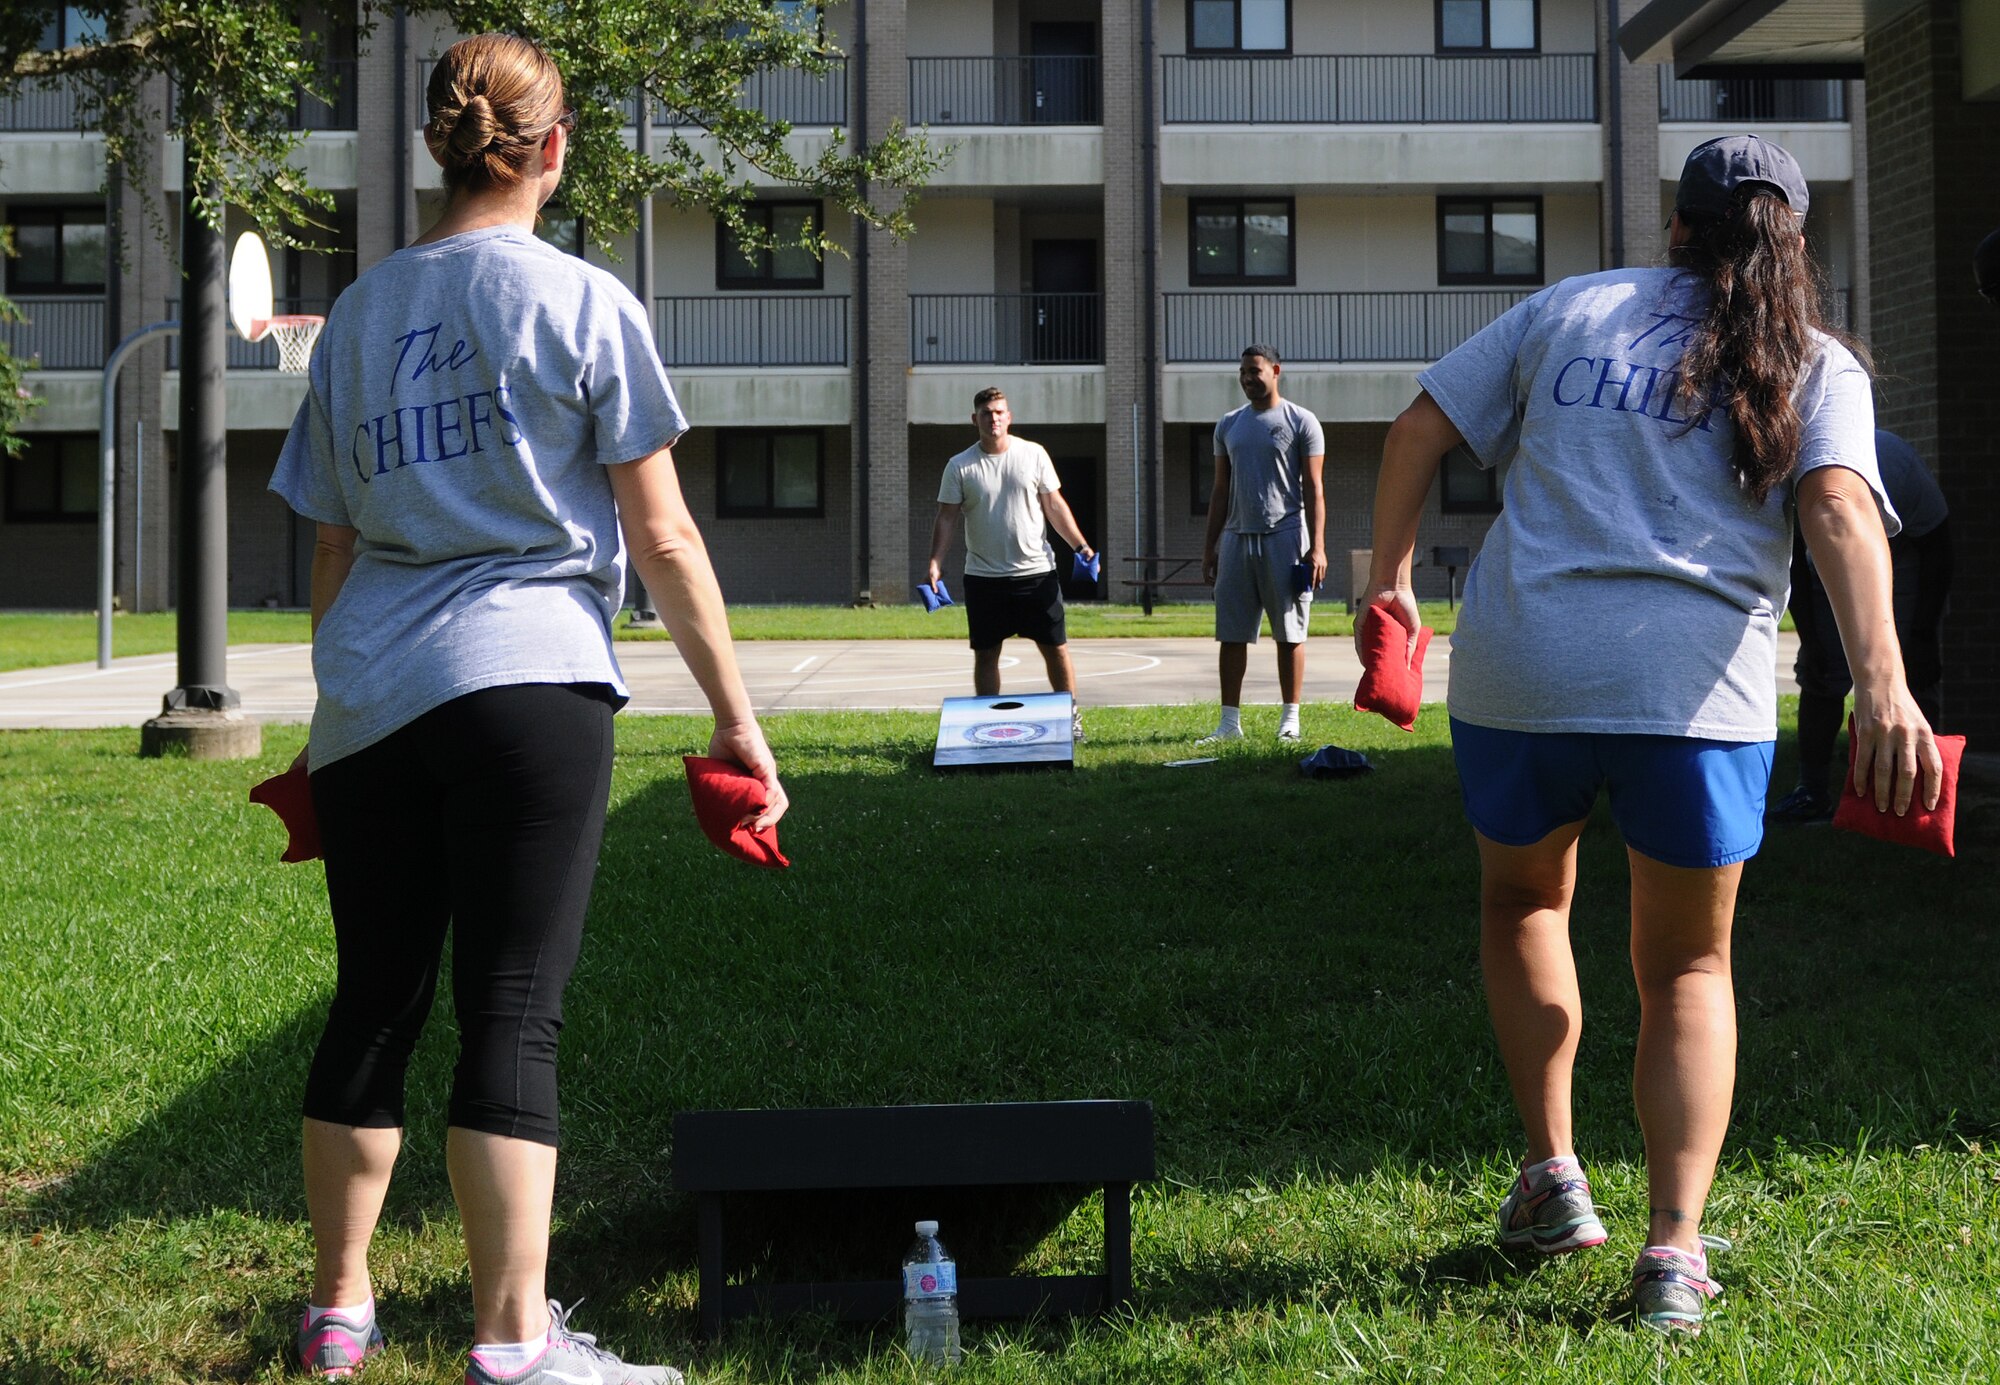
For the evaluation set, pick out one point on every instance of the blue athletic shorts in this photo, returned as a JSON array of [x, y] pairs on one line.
[[1680, 800]]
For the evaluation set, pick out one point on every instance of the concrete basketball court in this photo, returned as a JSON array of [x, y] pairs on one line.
[[276, 684]]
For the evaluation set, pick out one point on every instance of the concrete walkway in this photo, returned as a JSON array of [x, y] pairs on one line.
[[783, 675]]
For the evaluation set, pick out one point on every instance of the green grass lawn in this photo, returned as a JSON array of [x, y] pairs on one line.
[[1287, 970], [35, 640]]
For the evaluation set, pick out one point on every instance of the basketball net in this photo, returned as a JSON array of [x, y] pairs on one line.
[[295, 334]]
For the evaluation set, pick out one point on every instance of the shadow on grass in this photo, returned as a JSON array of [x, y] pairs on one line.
[[1286, 969]]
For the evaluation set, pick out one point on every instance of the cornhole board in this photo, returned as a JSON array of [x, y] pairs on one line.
[[845, 1152], [1014, 731]]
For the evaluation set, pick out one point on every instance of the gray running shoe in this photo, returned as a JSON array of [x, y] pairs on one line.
[[334, 1347], [1551, 1213], [1671, 1289], [572, 1358]]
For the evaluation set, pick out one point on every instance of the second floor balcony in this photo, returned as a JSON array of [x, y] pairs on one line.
[[248, 355], [793, 95], [1006, 90], [1006, 328], [752, 329], [1741, 100], [1379, 89], [1410, 325], [49, 104], [58, 333]]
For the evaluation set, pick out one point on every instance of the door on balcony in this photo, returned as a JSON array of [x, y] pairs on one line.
[[1062, 327], [1062, 81]]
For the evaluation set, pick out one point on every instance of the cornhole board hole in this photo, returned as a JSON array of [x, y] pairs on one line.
[[1021, 731], [850, 1181]]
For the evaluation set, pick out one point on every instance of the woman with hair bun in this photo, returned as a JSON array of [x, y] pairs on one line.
[[485, 438], [1619, 631]]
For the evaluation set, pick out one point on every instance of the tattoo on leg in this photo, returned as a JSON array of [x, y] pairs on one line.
[[1672, 1214]]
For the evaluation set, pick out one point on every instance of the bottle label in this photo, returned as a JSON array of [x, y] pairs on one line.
[[930, 1279]]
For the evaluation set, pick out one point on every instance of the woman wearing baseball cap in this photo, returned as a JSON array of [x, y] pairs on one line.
[[1619, 632]]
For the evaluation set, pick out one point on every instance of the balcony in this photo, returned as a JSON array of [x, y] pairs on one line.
[[59, 333], [248, 355], [1007, 90], [308, 112], [46, 105], [1741, 100], [1415, 325], [1379, 89], [752, 329], [793, 95], [1007, 328]]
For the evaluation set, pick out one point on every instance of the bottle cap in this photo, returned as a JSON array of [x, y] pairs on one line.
[[927, 1228]]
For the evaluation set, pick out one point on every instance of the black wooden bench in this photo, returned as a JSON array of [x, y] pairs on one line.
[[734, 1154]]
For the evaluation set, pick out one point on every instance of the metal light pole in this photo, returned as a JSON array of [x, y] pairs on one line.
[[107, 477], [202, 716]]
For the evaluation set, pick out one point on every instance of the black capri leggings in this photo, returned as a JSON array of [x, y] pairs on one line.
[[483, 815]]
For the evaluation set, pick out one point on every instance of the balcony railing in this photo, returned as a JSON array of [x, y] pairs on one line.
[[1009, 90], [744, 329], [1379, 89], [793, 95], [58, 333], [1417, 325], [1734, 100], [308, 112], [48, 103], [1007, 328], [241, 354]]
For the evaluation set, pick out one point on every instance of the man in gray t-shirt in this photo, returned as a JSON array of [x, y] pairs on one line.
[[1265, 549]]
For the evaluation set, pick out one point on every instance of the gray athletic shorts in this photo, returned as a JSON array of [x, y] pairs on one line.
[[1253, 579]]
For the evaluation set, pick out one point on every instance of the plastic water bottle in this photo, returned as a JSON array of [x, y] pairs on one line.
[[930, 1299]]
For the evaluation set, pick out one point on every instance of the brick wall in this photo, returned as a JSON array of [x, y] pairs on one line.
[[775, 559], [887, 306], [1931, 199], [1633, 217]]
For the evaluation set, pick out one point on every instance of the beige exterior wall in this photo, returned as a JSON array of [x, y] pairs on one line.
[[1387, 26]]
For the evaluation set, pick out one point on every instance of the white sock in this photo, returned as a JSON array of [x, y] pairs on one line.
[[360, 1314], [1232, 720], [1289, 719], [509, 1358]]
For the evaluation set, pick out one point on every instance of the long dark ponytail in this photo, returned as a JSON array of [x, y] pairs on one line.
[[1756, 339]]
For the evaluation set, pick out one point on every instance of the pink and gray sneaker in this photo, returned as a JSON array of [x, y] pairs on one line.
[[335, 1346], [1671, 1287], [1549, 1210], [571, 1358]]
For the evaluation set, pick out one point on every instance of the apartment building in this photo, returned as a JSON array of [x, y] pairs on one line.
[[1136, 189]]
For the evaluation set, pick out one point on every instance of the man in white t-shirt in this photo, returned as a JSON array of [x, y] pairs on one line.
[[1006, 489]]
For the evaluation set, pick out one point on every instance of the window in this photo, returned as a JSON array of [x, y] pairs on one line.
[[785, 265], [763, 474], [54, 480], [57, 250], [1488, 26], [1201, 468], [1489, 240], [1239, 26], [1240, 241], [70, 28], [562, 228], [1465, 487]]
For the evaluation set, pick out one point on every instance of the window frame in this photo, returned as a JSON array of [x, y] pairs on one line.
[[54, 214], [1236, 49], [768, 282], [726, 437], [1450, 278], [10, 510], [1485, 48], [1197, 279], [1458, 460]]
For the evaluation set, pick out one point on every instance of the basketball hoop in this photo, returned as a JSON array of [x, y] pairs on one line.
[[295, 334]]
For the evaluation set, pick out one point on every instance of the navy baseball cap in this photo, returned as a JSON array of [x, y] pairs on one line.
[[1715, 170]]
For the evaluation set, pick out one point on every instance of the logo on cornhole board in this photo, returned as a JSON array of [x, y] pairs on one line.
[[1004, 733]]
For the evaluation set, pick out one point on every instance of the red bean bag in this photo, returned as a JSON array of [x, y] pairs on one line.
[[289, 795], [724, 796], [1928, 829], [1391, 683]]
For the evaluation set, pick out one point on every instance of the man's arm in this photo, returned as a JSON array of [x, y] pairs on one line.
[[1313, 494], [1218, 512], [941, 532], [1064, 522]]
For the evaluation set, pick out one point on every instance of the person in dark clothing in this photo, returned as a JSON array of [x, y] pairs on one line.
[[1921, 559]]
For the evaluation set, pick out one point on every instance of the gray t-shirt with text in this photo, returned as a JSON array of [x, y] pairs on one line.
[[1267, 453], [461, 406], [1629, 584]]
